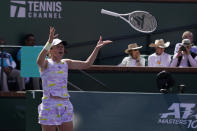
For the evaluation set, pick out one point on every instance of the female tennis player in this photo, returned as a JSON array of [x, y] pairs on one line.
[[56, 110]]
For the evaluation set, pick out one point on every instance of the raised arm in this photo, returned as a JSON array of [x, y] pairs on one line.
[[76, 64], [41, 61]]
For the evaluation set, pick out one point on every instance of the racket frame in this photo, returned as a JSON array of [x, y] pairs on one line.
[[122, 16]]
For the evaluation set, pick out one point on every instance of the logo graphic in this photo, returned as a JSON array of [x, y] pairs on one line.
[[180, 114], [139, 20], [35, 9], [17, 9]]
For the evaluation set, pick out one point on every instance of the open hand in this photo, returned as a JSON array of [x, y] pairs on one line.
[[52, 34], [102, 43]]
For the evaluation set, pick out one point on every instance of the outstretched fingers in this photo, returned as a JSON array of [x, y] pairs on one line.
[[107, 42], [52, 34], [56, 35], [101, 42], [100, 39], [52, 30]]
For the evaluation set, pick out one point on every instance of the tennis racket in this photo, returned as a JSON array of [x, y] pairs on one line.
[[141, 21]]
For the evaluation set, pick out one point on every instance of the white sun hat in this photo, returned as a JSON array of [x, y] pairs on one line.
[[160, 43], [133, 46]]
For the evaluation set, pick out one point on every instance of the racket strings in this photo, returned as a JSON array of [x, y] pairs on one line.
[[143, 21]]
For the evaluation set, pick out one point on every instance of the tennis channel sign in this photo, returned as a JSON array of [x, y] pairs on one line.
[[35, 9], [180, 114]]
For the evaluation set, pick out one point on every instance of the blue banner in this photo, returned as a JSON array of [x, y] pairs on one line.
[[29, 67]]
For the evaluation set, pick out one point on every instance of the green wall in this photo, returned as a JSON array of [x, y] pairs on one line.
[[107, 111], [121, 81], [13, 113], [98, 111]]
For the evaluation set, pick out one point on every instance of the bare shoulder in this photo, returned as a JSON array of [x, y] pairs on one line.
[[67, 60]]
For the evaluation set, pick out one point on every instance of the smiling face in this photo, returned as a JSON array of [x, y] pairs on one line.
[[57, 51]]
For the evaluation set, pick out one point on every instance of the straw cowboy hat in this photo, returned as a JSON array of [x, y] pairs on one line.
[[133, 46], [160, 43]]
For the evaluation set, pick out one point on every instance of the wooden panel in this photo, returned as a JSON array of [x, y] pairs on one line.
[[13, 94]]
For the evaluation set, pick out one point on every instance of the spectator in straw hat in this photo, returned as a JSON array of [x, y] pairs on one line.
[[186, 35], [134, 58], [159, 58], [184, 57]]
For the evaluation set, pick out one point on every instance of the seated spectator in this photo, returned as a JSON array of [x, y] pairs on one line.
[[10, 71], [134, 58], [186, 35], [184, 57], [159, 58], [29, 40]]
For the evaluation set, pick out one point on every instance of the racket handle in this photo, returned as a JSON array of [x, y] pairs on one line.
[[109, 13]]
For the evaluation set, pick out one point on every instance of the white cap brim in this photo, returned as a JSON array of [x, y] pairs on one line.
[[58, 41]]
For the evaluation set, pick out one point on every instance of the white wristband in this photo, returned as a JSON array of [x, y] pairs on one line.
[[47, 46]]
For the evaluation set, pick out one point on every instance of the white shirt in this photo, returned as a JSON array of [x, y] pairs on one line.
[[162, 60], [184, 61], [130, 62]]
